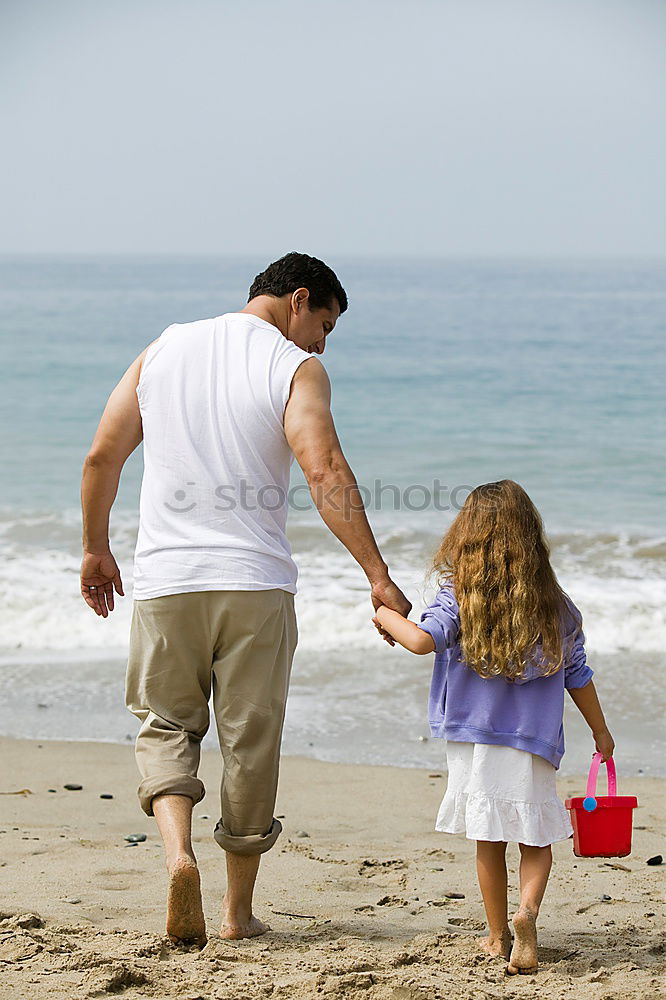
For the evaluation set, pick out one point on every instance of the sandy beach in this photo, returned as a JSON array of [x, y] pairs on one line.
[[355, 891]]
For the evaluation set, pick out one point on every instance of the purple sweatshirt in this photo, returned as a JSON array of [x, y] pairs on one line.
[[526, 713]]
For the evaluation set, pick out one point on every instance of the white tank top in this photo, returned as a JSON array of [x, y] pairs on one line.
[[214, 494]]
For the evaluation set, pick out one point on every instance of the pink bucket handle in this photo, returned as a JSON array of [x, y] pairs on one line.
[[611, 776]]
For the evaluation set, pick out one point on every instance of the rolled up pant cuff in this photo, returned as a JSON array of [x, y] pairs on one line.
[[254, 843], [169, 784]]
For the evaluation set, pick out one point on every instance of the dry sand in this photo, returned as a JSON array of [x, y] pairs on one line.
[[358, 907]]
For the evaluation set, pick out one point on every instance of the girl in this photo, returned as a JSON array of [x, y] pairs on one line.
[[508, 641]]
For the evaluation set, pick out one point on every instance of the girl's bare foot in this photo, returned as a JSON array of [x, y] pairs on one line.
[[253, 927], [496, 947], [185, 917], [523, 958]]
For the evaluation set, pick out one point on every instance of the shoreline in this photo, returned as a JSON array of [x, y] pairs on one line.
[[355, 891], [578, 736]]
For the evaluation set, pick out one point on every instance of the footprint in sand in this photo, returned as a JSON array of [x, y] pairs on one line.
[[468, 923], [437, 852], [113, 872], [116, 879], [18, 947], [114, 978], [371, 866]]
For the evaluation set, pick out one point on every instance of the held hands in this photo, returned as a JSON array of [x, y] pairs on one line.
[[395, 629], [389, 595], [99, 575], [604, 743], [386, 636]]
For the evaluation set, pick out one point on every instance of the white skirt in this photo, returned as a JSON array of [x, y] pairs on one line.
[[500, 793]]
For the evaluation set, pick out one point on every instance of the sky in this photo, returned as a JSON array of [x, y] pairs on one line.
[[420, 128]]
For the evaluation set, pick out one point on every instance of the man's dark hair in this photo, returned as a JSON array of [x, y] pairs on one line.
[[298, 270]]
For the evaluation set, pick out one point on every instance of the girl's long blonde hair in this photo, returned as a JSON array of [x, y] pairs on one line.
[[511, 606]]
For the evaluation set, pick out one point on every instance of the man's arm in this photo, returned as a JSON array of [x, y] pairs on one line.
[[119, 432], [312, 437]]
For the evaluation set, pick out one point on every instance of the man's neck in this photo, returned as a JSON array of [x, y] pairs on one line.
[[270, 309]]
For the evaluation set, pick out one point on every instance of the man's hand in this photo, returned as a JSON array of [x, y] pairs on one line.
[[391, 596], [99, 575]]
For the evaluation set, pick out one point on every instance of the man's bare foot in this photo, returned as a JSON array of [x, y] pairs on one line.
[[496, 947], [240, 923], [185, 917], [250, 928], [523, 958]]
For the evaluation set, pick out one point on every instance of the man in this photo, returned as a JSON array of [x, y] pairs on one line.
[[222, 406]]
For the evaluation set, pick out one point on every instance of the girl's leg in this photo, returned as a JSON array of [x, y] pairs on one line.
[[491, 871], [535, 864]]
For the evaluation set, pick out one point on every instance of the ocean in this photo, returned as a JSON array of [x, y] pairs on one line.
[[445, 374]]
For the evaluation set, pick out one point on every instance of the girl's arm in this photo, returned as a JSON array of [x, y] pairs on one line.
[[407, 633], [587, 702]]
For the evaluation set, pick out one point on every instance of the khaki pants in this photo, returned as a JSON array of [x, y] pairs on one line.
[[239, 644]]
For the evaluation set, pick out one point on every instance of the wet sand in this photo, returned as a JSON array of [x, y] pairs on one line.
[[358, 907]]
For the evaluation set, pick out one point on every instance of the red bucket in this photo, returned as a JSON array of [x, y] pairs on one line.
[[602, 825]]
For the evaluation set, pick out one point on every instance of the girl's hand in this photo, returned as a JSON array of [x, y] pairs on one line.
[[604, 743], [393, 628], [382, 631]]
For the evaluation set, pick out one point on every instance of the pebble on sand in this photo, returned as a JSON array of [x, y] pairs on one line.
[[301, 833], [656, 860], [71, 899], [72, 787], [135, 838], [106, 795], [454, 895]]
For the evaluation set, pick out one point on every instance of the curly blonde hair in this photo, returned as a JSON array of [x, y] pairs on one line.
[[496, 557]]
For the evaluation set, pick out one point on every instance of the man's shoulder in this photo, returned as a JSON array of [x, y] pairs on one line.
[[260, 326], [248, 320], [174, 329], [207, 325], [309, 375]]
